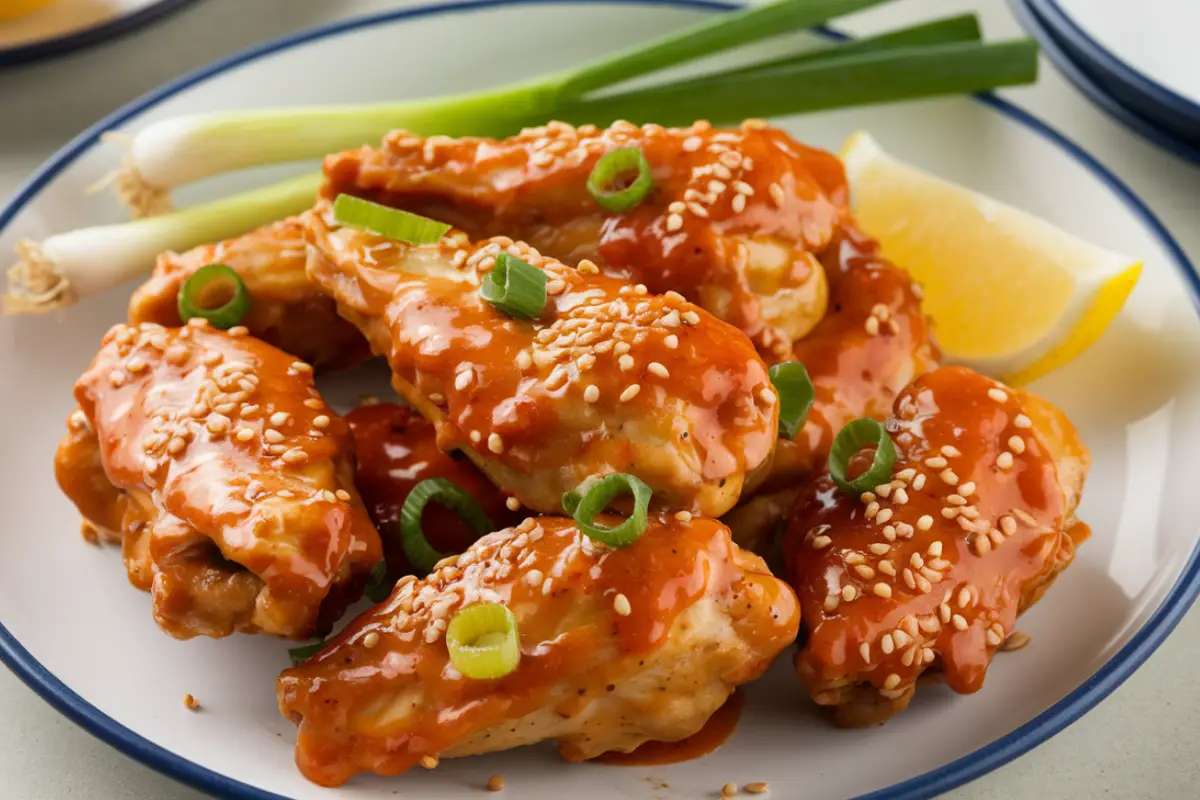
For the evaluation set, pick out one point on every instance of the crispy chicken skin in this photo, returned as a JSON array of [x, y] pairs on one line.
[[607, 379], [287, 310], [702, 617], [228, 482], [397, 449], [733, 221], [930, 571]]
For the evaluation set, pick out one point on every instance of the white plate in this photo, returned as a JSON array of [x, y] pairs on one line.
[[81, 636], [68, 25], [1145, 49]]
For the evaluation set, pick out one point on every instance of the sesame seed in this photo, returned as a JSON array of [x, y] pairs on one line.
[[871, 510], [738, 204], [883, 590], [901, 638], [176, 445], [1022, 421], [294, 456], [495, 443], [621, 605], [758, 787], [949, 513], [217, 424], [871, 326], [967, 489], [997, 537], [996, 394], [884, 490], [909, 578], [588, 267], [936, 462], [191, 703], [776, 192], [273, 436], [879, 548], [475, 436], [674, 222], [691, 317], [831, 602], [495, 783], [865, 572], [428, 762], [631, 391], [370, 640], [949, 476], [238, 330], [658, 369], [925, 522], [919, 482], [956, 499], [1016, 444], [245, 434], [950, 451], [343, 495], [591, 393], [279, 418], [892, 681], [1008, 525], [883, 516], [1024, 516], [901, 497], [1004, 460], [864, 650], [960, 622], [994, 639], [821, 542], [855, 558], [625, 362], [683, 516], [320, 422], [462, 380], [982, 544], [849, 593], [867, 497], [1015, 641], [300, 366], [887, 568], [889, 532], [904, 529]]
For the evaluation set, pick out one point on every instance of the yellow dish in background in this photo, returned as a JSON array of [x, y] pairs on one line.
[[11, 9]]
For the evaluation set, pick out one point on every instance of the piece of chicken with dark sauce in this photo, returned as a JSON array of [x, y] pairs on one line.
[[617, 647], [211, 458], [929, 570]]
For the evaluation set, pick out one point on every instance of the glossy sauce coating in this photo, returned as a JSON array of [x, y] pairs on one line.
[[931, 570], [609, 378], [396, 450], [618, 646], [731, 223], [236, 501], [716, 730], [286, 310]]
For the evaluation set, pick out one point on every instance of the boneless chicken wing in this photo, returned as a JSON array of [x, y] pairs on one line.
[[732, 223], [212, 459], [607, 378], [618, 647], [929, 570], [286, 309]]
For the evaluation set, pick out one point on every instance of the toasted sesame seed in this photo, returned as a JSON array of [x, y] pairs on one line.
[[217, 424], [320, 422], [191, 703], [273, 436], [1015, 641], [855, 558], [967, 489], [901, 497], [1016, 444], [729, 790], [821, 542], [1024, 516], [279, 418], [370, 640], [949, 513], [294, 456], [925, 522], [428, 762], [1004, 460], [463, 379], [776, 192], [495, 443], [936, 462], [919, 482], [901, 638], [588, 267], [880, 548], [314, 404], [892, 681], [343, 495], [871, 326], [475, 436], [176, 445], [631, 391], [883, 516], [887, 568], [864, 650], [890, 531], [884, 490], [997, 394], [867, 497], [1008, 525], [658, 369], [994, 639], [956, 499], [865, 572], [849, 593], [996, 536], [674, 222], [1022, 421], [950, 451], [882, 590], [244, 434], [831, 602], [758, 787], [871, 510], [683, 516], [949, 476], [621, 605], [691, 317]]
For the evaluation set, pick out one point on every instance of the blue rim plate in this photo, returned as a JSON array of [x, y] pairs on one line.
[[1132, 86], [78, 40], [1085, 83], [952, 774]]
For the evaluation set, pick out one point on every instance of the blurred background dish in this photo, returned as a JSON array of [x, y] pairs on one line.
[[35, 29], [1083, 76]]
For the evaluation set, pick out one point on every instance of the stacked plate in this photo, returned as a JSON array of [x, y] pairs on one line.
[[1136, 60], [34, 29]]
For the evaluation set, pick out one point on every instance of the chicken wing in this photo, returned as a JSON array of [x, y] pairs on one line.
[[286, 310], [618, 647], [607, 379], [229, 483], [396, 450], [732, 223], [929, 571]]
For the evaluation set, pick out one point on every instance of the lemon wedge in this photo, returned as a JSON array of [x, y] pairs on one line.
[[1010, 295]]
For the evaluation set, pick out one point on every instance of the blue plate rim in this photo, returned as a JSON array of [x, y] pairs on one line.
[[89, 37], [1057, 18], [1049, 722], [1079, 78]]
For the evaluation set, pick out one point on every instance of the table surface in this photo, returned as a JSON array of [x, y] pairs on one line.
[[1138, 743]]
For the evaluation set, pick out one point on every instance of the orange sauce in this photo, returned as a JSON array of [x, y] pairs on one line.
[[716, 730]]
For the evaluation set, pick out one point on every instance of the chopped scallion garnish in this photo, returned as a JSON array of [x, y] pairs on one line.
[[301, 654], [515, 287], [216, 293], [420, 553], [483, 641], [376, 589], [390, 222], [796, 395], [621, 179], [850, 440], [584, 508]]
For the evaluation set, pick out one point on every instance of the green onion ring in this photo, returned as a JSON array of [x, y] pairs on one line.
[[855, 436], [197, 288], [420, 553], [796, 395], [393, 223], [613, 166], [483, 641], [515, 287], [585, 507]]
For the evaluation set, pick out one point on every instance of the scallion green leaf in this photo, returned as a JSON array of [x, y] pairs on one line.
[[420, 553], [584, 508], [515, 287], [620, 180], [390, 222], [483, 641], [850, 440], [216, 293], [303, 653], [376, 590], [796, 395]]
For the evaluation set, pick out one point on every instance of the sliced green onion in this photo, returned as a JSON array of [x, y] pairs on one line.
[[515, 287], [376, 590], [796, 395], [420, 553], [390, 222], [301, 654], [584, 508], [199, 291], [610, 183], [855, 436], [483, 641]]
